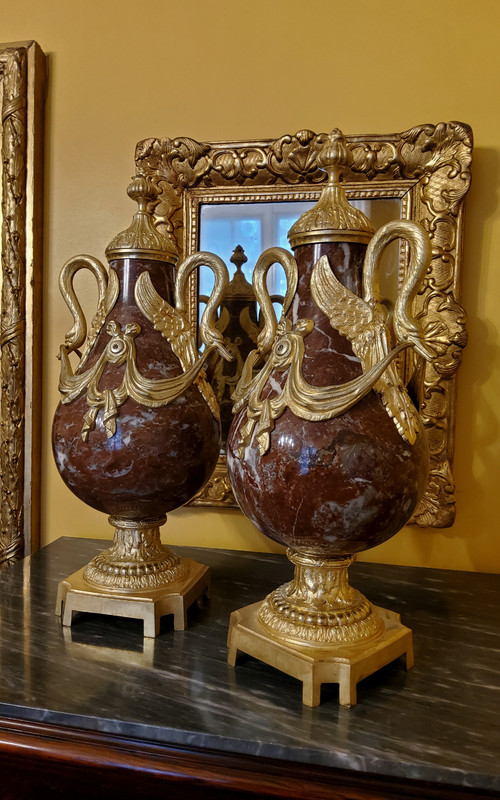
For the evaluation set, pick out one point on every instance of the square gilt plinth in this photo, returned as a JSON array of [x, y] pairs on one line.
[[76, 594], [313, 665]]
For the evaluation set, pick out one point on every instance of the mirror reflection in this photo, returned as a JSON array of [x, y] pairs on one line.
[[239, 233]]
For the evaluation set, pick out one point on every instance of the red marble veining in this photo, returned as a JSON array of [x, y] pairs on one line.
[[338, 486], [159, 457]]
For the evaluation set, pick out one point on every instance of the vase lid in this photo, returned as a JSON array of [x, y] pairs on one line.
[[333, 218], [142, 239], [239, 288]]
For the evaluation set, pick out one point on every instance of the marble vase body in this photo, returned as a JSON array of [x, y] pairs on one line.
[[338, 486], [159, 457]]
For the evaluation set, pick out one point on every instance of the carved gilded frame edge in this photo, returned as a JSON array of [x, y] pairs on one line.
[[431, 166], [23, 81]]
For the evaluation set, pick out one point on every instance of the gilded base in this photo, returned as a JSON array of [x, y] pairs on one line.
[[315, 665], [136, 561], [319, 607], [75, 593]]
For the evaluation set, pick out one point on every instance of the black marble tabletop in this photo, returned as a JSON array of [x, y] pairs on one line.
[[437, 722]]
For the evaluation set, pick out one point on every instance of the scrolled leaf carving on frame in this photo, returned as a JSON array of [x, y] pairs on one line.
[[218, 490], [13, 294], [22, 78], [427, 167]]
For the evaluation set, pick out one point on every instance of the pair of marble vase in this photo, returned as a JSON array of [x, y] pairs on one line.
[[137, 433]]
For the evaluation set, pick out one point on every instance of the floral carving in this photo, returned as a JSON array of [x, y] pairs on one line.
[[12, 332], [217, 491], [22, 87]]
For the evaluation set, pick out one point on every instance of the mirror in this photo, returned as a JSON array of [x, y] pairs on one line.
[[249, 188], [257, 226], [239, 233]]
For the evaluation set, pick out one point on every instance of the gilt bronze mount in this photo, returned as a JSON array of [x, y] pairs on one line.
[[319, 629], [314, 667], [137, 577]]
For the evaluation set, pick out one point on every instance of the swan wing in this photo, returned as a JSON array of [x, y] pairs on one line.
[[172, 325], [397, 403], [347, 312]]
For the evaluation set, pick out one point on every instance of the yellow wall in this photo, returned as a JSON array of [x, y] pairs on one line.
[[121, 71]]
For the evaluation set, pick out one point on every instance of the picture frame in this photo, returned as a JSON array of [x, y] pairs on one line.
[[23, 81]]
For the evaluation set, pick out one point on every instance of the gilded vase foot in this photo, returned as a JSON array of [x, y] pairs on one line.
[[137, 577], [137, 561], [319, 607], [315, 665], [76, 594]]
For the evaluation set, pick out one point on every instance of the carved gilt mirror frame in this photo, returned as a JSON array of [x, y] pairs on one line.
[[426, 167], [22, 96]]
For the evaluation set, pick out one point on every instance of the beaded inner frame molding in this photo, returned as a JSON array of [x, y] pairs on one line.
[[426, 167], [22, 97]]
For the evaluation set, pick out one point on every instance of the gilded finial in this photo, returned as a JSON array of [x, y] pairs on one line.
[[239, 288], [142, 190], [334, 156], [142, 239], [333, 218], [238, 258]]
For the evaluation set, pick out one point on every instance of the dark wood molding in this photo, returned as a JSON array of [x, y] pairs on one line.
[[36, 756]]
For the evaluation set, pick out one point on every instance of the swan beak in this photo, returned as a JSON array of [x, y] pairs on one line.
[[224, 352]]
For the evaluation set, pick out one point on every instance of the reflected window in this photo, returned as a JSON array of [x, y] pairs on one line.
[[254, 226], [257, 226], [238, 233]]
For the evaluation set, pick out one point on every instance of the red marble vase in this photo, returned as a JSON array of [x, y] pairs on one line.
[[326, 453], [158, 458], [137, 431], [337, 486]]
